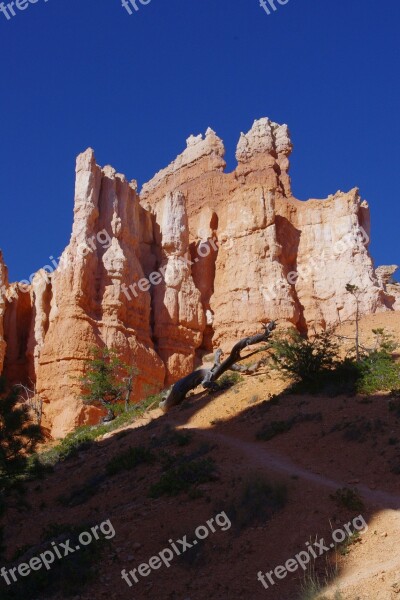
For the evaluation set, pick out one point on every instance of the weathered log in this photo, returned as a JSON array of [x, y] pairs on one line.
[[208, 377], [249, 370]]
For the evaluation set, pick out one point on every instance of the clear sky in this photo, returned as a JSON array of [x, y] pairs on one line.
[[79, 73]]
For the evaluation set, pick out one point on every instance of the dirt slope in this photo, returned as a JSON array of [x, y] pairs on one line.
[[330, 443]]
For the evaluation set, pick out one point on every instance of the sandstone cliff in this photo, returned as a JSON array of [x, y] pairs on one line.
[[199, 259], [278, 257], [179, 319], [88, 305]]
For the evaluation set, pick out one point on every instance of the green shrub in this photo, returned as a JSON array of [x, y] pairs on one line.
[[360, 430], [180, 478], [107, 380], [180, 438], [172, 437], [378, 372], [384, 341], [315, 366], [258, 500], [306, 360], [228, 380], [348, 498], [19, 436], [36, 469], [270, 430], [274, 428], [128, 460]]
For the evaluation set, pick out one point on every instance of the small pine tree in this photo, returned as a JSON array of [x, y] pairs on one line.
[[19, 436], [106, 380], [356, 293], [305, 359], [384, 342]]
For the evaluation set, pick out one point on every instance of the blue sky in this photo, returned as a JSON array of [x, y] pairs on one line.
[[79, 73]]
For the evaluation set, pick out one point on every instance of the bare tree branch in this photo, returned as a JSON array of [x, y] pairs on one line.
[[208, 377], [30, 397]]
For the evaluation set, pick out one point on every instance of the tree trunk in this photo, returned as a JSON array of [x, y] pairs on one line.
[[208, 377], [358, 332], [110, 416]]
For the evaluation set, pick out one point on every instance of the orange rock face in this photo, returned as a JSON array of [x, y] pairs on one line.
[[277, 257], [197, 261], [89, 305], [179, 319]]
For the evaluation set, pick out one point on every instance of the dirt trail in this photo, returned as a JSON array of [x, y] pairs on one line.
[[363, 570], [271, 460]]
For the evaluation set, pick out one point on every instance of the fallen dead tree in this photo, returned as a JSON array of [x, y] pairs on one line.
[[208, 377]]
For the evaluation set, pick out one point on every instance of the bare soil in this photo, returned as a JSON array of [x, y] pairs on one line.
[[331, 443]]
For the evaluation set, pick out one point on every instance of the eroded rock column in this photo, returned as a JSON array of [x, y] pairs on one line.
[[91, 300], [179, 319]]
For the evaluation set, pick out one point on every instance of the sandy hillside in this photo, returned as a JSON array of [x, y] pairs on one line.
[[324, 444]]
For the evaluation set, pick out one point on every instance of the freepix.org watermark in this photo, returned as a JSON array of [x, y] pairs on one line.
[[11, 9], [270, 5], [134, 4], [87, 247], [350, 240], [58, 551], [167, 555], [313, 551], [156, 277]]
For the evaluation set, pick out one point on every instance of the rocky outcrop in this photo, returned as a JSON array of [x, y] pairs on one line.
[[41, 292], [179, 319], [90, 303], [391, 287], [266, 147], [201, 157], [331, 238], [198, 260], [277, 257]]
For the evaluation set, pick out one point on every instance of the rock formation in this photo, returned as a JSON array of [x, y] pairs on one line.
[[389, 285], [277, 257], [17, 323], [198, 260], [179, 319], [89, 304]]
